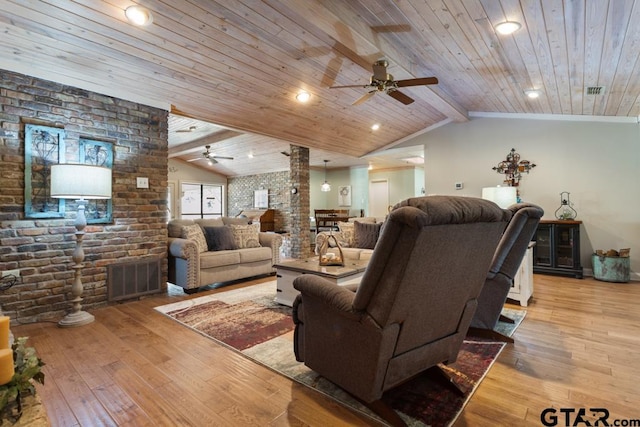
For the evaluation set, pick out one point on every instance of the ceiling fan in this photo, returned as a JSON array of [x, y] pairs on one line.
[[381, 81], [210, 157], [187, 130]]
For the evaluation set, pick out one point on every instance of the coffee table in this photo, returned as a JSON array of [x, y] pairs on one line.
[[287, 271]]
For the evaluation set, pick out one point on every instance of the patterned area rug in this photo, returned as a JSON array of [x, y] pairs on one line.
[[249, 321]]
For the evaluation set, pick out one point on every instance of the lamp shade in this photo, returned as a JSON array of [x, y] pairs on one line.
[[74, 181], [501, 196]]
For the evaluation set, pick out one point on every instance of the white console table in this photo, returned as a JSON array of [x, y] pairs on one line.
[[522, 288]]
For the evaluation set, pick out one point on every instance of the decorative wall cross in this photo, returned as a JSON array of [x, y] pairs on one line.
[[513, 168]]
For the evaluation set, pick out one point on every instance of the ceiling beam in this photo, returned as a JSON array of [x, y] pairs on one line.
[[190, 147]]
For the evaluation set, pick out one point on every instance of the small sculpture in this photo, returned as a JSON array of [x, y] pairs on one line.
[[565, 211]]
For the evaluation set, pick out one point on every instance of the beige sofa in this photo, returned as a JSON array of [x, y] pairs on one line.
[[346, 238], [192, 267]]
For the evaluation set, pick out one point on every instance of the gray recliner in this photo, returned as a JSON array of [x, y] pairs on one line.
[[506, 262], [414, 304]]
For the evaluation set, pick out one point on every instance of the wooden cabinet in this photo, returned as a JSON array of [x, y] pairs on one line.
[[557, 249], [265, 217]]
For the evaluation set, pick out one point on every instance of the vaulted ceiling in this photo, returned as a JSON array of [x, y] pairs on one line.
[[239, 64]]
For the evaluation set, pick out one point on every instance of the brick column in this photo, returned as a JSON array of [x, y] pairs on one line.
[[300, 209]]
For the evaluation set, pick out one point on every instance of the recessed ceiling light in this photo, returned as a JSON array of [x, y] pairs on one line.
[[303, 96], [250, 155], [508, 27], [138, 15], [375, 126], [533, 94]]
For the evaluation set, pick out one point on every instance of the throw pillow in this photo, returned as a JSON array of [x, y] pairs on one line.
[[246, 236], [346, 230], [220, 238], [194, 232], [366, 234]]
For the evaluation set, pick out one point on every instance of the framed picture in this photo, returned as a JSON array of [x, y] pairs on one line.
[[261, 199], [344, 195], [43, 147], [98, 153]]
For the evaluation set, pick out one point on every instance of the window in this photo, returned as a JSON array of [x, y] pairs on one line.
[[201, 201]]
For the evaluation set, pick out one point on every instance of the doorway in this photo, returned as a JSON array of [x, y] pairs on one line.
[[379, 198]]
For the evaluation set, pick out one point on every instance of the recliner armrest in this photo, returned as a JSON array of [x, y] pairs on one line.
[[337, 297]]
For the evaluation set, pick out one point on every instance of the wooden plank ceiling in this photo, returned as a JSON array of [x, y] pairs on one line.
[[239, 64]]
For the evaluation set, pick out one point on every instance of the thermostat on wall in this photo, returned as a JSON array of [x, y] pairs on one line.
[[142, 182], [459, 185]]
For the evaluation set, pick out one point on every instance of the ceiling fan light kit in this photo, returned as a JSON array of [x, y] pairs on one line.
[[381, 81]]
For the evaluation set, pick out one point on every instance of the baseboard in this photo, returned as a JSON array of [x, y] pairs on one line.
[[633, 276]]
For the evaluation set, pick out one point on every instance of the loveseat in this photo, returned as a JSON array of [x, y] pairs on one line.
[[356, 237], [206, 251]]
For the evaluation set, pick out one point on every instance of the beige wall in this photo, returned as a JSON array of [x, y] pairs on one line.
[[403, 183], [597, 162], [181, 171]]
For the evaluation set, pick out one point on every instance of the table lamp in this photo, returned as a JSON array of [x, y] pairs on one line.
[[80, 182], [501, 196]]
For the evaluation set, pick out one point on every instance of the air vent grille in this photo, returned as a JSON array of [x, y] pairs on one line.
[[133, 279], [594, 90]]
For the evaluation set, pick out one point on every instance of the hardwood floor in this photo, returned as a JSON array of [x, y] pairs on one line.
[[578, 347]]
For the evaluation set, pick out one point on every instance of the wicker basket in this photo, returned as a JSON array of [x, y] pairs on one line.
[[327, 258]]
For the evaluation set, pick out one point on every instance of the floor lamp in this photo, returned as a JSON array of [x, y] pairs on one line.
[[80, 182]]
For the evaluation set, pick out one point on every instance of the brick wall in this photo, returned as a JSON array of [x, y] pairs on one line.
[[300, 209], [240, 195], [42, 248], [291, 211]]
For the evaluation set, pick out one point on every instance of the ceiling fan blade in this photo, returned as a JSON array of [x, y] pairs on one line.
[[221, 157], [417, 82], [344, 87], [187, 130], [364, 98], [380, 70], [399, 96]]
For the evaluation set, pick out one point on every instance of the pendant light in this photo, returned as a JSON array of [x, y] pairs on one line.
[[326, 186]]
